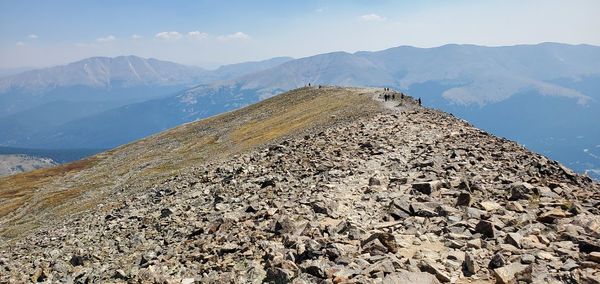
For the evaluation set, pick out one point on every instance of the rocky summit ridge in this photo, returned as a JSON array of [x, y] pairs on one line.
[[325, 185]]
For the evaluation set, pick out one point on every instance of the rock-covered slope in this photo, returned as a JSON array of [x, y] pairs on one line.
[[319, 192], [28, 200]]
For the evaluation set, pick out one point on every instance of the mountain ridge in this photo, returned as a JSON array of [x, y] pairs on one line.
[[317, 184]]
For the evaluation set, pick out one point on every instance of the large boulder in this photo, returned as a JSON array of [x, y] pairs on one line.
[[513, 273], [404, 277]]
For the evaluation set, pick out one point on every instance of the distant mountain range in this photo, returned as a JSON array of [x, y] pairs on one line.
[[125, 71], [545, 96], [104, 72], [37, 105], [123, 79]]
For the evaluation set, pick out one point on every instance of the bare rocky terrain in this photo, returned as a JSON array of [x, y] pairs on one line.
[[327, 185], [15, 163]]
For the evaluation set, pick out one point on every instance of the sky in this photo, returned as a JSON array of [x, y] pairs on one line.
[[208, 33]]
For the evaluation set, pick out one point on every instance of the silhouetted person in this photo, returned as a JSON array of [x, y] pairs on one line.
[[393, 96], [419, 101], [402, 95], [309, 84]]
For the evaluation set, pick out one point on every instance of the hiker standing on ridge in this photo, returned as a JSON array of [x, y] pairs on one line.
[[419, 101]]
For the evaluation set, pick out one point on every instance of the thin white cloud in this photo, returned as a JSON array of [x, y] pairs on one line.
[[320, 10], [173, 35], [233, 36], [106, 39], [20, 43], [134, 36], [197, 35], [372, 18], [32, 36]]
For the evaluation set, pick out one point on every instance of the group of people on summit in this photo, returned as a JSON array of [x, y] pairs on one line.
[[392, 96], [386, 96]]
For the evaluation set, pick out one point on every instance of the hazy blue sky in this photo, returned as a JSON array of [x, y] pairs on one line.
[[210, 32]]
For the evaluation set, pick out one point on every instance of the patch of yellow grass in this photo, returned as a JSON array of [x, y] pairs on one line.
[[17, 190], [299, 114]]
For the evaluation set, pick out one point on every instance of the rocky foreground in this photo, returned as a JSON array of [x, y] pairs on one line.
[[405, 195]]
